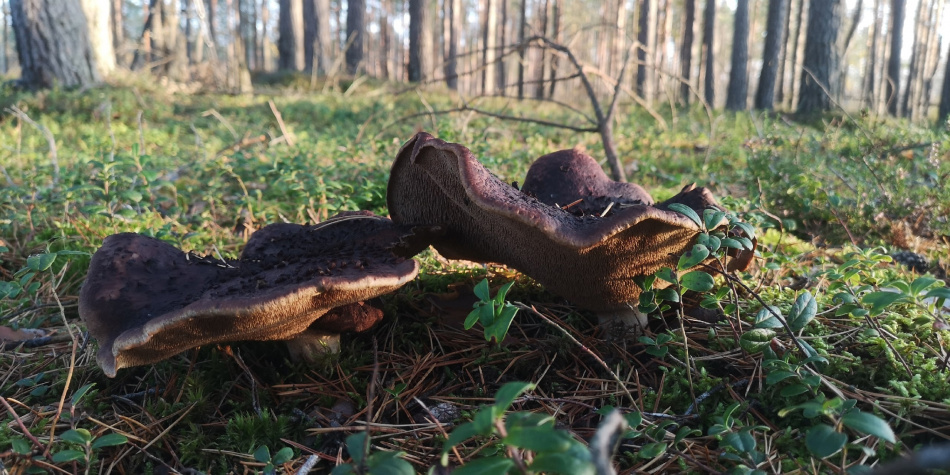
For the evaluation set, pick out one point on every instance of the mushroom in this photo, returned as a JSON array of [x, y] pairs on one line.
[[590, 260], [145, 300]]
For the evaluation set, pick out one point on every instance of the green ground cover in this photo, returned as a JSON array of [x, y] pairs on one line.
[[859, 376]]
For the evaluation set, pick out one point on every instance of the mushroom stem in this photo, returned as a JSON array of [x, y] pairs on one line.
[[310, 345], [630, 317]]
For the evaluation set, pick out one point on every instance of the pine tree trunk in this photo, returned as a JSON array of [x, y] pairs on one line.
[[539, 64], [933, 57], [686, 50], [709, 76], [118, 34], [418, 48], [453, 16], [556, 34], [4, 55], [240, 77], [797, 45], [52, 40], [99, 26], [893, 81], [868, 85], [290, 44], [501, 81], [264, 47], [771, 55], [820, 62], [212, 10], [385, 41], [943, 112], [914, 67], [738, 93], [643, 35], [780, 85], [489, 36], [355, 26], [522, 27], [620, 37]]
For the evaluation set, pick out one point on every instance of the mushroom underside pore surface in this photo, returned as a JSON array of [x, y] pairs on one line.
[[145, 300], [589, 259]]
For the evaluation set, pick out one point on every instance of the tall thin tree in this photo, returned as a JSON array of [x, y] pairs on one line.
[[489, 38], [709, 63], [290, 45], [943, 111], [913, 70], [737, 96], [542, 19], [4, 46], [780, 85], [821, 56], [686, 49], [556, 35], [418, 47], [893, 84], [869, 85], [522, 27], [771, 54], [501, 77], [643, 37], [317, 35], [355, 26]]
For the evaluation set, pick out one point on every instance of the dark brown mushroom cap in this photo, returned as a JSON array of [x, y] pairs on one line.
[[144, 300], [590, 261], [563, 177]]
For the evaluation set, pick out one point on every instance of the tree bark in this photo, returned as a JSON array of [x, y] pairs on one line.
[[893, 86], [821, 62], [290, 44], [930, 64], [780, 86], [914, 67], [4, 51], [797, 45], [118, 34], [264, 47], [453, 18], [771, 55], [212, 10], [355, 26], [164, 45], [489, 36], [643, 37], [418, 47], [52, 41], [385, 41], [556, 35], [943, 112], [709, 76], [868, 87], [501, 81], [738, 93], [240, 76], [522, 27], [686, 50]]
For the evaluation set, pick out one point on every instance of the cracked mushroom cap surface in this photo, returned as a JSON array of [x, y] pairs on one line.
[[589, 260], [145, 300]]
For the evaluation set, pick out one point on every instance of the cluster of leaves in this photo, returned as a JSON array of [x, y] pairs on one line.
[[494, 314]]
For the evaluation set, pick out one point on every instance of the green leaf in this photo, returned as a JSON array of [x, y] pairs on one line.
[[822, 440], [793, 390], [867, 423], [634, 419], [509, 392], [503, 322], [40, 262], [711, 242], [472, 318], [78, 395], [484, 420], [481, 290], [685, 432], [666, 274], [712, 218], [64, 456], [344, 469], [460, 434], [262, 454], [921, 284], [132, 195], [389, 463], [731, 243], [880, 300], [563, 463], [693, 257], [698, 281], [668, 295], [283, 456], [776, 376], [742, 441], [76, 436], [802, 311], [485, 466], [652, 450], [21, 446], [502, 292], [538, 439], [110, 440], [766, 319], [686, 210], [356, 445], [756, 340], [938, 293]]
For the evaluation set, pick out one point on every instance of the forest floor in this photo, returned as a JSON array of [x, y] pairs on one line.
[[862, 379]]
